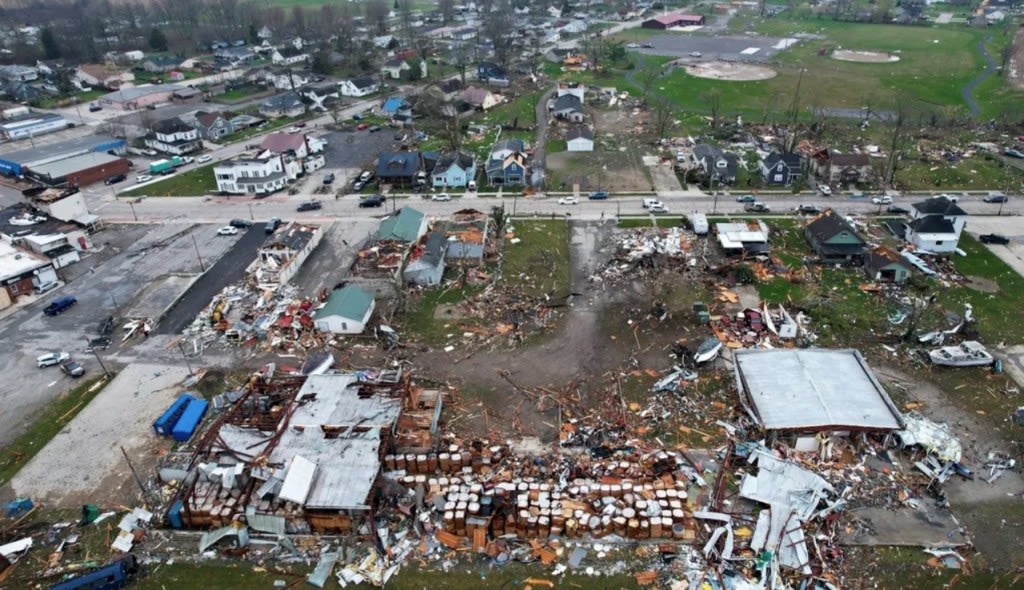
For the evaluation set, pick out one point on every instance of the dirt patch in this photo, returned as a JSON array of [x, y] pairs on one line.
[[1015, 69], [982, 284], [868, 57], [728, 71]]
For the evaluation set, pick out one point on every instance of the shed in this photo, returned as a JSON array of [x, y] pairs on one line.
[[805, 392], [346, 311], [580, 139], [886, 265], [427, 265]]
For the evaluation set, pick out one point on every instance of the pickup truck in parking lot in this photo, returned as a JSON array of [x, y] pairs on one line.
[[60, 305]]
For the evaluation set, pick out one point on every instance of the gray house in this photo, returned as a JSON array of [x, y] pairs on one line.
[[717, 165], [885, 265], [426, 267], [212, 126], [466, 236], [568, 107], [833, 238]]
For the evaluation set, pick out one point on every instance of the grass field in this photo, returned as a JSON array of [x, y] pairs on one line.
[[540, 261], [194, 183], [47, 423], [934, 66]]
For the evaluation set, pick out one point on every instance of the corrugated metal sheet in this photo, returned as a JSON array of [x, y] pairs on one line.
[[298, 480], [813, 389]]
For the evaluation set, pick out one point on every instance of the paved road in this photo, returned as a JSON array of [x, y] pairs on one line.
[[990, 68], [229, 269]]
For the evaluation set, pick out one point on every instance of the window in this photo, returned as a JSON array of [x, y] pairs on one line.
[[777, 178], [938, 242]]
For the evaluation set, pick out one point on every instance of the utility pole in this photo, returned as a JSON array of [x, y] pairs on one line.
[[181, 347], [132, 207], [202, 266], [95, 353], [138, 480]]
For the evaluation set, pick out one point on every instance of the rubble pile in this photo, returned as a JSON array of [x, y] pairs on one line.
[[648, 251]]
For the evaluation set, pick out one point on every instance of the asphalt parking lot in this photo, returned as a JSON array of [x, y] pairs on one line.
[[348, 152], [729, 48]]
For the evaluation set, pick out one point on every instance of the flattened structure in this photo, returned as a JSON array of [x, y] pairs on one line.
[[813, 390]]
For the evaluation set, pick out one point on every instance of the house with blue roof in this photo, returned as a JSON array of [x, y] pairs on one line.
[[405, 225], [346, 311], [453, 170]]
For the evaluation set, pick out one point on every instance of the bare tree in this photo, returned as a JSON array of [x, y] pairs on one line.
[[713, 99], [647, 77], [897, 140], [447, 8], [405, 19], [299, 19], [497, 28], [377, 15], [663, 115]]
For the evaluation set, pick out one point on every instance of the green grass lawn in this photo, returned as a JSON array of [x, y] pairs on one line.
[[540, 261], [84, 98], [935, 64], [47, 422], [194, 183], [980, 172], [423, 322], [271, 125], [239, 94]]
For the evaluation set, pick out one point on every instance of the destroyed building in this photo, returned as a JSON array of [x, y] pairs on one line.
[[747, 237], [426, 260], [467, 235], [295, 454], [808, 394], [281, 256]]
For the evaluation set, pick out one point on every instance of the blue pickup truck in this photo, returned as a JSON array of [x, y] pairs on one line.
[[60, 305]]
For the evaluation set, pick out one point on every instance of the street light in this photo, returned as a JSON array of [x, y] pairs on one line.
[[252, 216]]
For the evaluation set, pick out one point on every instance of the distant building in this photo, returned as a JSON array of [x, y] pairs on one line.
[[20, 272], [358, 87], [130, 99], [675, 19], [288, 104], [80, 170], [31, 125]]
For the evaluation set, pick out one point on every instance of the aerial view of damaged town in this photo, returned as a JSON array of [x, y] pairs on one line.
[[512, 294]]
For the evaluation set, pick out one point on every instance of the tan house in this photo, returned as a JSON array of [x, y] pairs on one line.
[[479, 98], [103, 76]]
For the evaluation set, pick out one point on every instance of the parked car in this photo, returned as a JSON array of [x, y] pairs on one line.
[[240, 223], [598, 195], [882, 200], [568, 201], [810, 209], [757, 207], [695, 54], [1014, 153], [72, 369], [994, 239], [374, 128], [632, 46], [271, 225], [658, 209], [115, 179], [106, 326], [358, 185], [51, 359], [60, 305], [47, 286], [647, 45], [293, 129], [204, 158], [372, 201], [745, 199], [825, 190], [227, 230], [361, 126], [896, 209], [648, 203], [328, 179], [365, 176], [441, 197], [97, 343], [310, 206], [996, 198], [93, 107], [143, 178]]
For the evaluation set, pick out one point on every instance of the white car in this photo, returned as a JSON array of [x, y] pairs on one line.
[[441, 197], [52, 359], [568, 201], [293, 130], [365, 176], [882, 200], [143, 178], [695, 54], [632, 46], [825, 189], [659, 208], [227, 230], [204, 158]]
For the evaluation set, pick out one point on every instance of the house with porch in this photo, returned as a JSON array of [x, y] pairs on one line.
[[454, 170], [719, 167], [173, 136], [833, 239], [779, 169], [935, 225], [359, 87], [568, 107], [404, 168], [833, 167], [212, 125]]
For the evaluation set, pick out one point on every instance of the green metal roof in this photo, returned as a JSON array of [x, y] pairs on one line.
[[404, 225], [348, 302]]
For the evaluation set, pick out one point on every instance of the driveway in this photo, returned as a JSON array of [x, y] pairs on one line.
[[537, 164], [665, 181]]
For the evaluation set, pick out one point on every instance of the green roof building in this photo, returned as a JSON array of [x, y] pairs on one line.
[[406, 225], [346, 311]]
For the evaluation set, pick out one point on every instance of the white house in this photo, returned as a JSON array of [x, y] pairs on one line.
[[288, 55], [174, 136], [393, 68], [364, 86], [288, 79], [935, 225], [256, 176], [346, 311], [580, 139]]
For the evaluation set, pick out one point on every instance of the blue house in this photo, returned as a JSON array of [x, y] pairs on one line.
[[486, 70], [454, 170], [507, 171], [394, 105]]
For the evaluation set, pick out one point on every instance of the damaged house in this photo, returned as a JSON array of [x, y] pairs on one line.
[[832, 167], [808, 395], [935, 225], [885, 265], [745, 237], [346, 311], [426, 260], [282, 255], [466, 234], [833, 239]]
